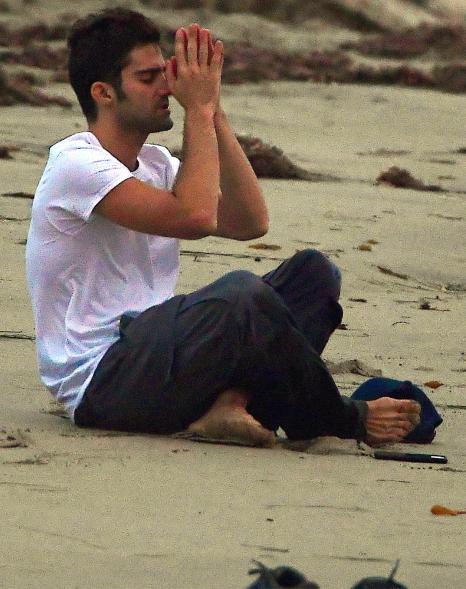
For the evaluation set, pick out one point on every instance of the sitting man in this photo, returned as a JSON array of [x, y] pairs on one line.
[[236, 359]]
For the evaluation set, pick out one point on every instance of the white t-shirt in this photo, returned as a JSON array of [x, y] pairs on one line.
[[85, 271]]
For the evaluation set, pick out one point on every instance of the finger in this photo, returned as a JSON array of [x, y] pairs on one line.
[[217, 57], [203, 47], [211, 47], [222, 61], [180, 47], [222, 57], [198, 41], [171, 72], [193, 44], [185, 37]]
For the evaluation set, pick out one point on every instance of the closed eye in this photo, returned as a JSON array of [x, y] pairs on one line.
[[149, 75]]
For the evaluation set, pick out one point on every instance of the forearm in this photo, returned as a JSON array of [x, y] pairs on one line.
[[242, 212], [198, 181]]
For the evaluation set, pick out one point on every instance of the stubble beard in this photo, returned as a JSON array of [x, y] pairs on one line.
[[164, 125], [145, 124], [141, 123]]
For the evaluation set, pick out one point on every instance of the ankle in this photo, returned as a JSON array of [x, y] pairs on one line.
[[232, 398]]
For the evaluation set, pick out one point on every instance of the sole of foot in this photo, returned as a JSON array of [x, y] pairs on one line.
[[233, 424]]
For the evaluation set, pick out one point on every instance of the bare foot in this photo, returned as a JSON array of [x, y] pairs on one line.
[[228, 419], [391, 420]]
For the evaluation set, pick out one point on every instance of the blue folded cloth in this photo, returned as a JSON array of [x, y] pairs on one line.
[[374, 388]]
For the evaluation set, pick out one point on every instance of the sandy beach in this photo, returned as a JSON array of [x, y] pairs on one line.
[[95, 509]]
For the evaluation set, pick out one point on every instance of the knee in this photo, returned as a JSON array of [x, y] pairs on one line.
[[246, 290], [244, 284], [257, 311], [318, 266]]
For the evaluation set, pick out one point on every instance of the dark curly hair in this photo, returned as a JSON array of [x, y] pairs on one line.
[[99, 46]]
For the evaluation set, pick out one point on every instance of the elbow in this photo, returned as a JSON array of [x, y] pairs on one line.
[[259, 230], [202, 225], [262, 225], [262, 229]]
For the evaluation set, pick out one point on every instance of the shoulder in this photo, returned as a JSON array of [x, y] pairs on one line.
[[79, 173], [74, 143], [82, 153]]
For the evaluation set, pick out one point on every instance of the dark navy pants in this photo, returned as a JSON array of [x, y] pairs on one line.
[[261, 334]]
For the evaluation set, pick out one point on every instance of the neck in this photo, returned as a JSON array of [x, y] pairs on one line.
[[123, 144]]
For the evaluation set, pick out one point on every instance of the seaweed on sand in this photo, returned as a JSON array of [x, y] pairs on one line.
[[37, 55], [448, 41], [20, 91], [451, 77], [401, 178], [269, 161], [245, 63], [38, 31]]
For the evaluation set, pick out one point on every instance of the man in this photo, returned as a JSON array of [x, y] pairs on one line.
[[236, 359]]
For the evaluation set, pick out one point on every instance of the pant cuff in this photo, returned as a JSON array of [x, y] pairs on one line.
[[357, 412]]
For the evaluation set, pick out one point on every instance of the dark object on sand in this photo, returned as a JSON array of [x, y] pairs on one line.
[[401, 178], [27, 195], [380, 582], [279, 578], [411, 457], [5, 153]]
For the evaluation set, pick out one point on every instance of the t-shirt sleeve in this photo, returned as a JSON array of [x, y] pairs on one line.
[[81, 178], [172, 167], [175, 166]]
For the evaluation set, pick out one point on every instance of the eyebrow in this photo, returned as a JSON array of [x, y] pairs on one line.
[[151, 70]]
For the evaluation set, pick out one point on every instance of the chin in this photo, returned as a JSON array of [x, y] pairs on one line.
[[160, 126]]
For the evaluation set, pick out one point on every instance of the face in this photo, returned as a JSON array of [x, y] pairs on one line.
[[143, 101]]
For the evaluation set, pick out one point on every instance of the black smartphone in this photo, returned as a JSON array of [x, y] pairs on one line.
[[410, 457]]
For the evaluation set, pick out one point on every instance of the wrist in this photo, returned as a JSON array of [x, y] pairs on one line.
[[220, 116], [201, 114]]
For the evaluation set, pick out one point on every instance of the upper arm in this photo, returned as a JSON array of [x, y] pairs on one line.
[[139, 206], [90, 181]]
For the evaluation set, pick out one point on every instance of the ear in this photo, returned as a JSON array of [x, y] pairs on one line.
[[102, 93]]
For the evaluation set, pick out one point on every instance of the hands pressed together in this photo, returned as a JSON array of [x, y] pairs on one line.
[[194, 72]]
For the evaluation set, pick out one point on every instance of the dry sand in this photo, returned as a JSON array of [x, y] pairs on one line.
[[89, 509]]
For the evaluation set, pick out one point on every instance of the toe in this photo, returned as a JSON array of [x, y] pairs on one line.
[[407, 406], [414, 418]]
